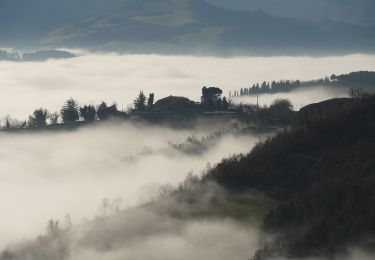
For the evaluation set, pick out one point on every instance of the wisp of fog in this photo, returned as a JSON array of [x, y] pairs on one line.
[[47, 175]]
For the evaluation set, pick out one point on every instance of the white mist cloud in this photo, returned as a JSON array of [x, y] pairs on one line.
[[47, 175], [200, 240], [299, 97], [92, 78]]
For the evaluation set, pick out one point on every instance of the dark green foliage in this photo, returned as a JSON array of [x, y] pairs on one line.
[[357, 80], [140, 102], [279, 86], [280, 108], [324, 173], [279, 112], [39, 118], [104, 112], [174, 104], [211, 92], [211, 99], [225, 104], [69, 111], [102, 108], [360, 79], [88, 113], [150, 101]]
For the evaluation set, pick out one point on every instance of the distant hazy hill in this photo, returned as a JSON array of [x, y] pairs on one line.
[[35, 56], [25, 20], [174, 26], [347, 11], [197, 25]]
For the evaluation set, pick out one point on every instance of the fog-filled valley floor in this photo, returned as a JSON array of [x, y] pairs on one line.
[[47, 175], [127, 188]]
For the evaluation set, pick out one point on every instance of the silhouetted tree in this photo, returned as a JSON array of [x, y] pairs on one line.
[[38, 118], [219, 104], [112, 111], [281, 105], [54, 117], [225, 104], [140, 102], [104, 112], [210, 97], [69, 111], [53, 228], [150, 101], [355, 93], [88, 113]]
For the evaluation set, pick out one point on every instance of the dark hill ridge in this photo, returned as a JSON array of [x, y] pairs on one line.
[[323, 172]]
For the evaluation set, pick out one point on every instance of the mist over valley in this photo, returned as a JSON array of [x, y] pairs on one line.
[[187, 129]]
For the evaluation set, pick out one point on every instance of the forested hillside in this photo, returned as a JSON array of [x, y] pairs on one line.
[[323, 172]]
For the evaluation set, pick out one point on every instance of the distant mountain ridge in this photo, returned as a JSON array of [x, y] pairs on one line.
[[191, 26], [359, 12]]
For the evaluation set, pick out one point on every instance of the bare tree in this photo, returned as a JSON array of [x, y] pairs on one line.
[[54, 118]]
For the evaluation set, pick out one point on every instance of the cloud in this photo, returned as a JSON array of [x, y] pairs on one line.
[[45, 175], [49, 174], [299, 98], [200, 240], [92, 78]]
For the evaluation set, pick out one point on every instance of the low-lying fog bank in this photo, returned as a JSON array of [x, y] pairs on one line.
[[299, 98], [92, 78], [46, 175], [171, 228]]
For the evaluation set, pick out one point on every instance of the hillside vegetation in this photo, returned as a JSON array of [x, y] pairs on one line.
[[323, 172]]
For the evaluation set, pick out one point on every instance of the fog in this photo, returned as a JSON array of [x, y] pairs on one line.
[[47, 175], [299, 98], [92, 78], [147, 234]]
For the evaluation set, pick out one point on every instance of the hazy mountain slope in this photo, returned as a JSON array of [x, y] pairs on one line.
[[25, 20], [176, 26], [187, 22], [196, 25], [348, 11]]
